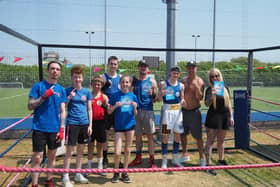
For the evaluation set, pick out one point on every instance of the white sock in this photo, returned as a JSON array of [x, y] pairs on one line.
[[89, 163], [100, 163], [66, 176]]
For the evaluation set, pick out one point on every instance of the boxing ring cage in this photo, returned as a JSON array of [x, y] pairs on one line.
[[242, 98]]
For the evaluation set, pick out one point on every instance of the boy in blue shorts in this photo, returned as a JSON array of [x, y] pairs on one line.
[[47, 98]]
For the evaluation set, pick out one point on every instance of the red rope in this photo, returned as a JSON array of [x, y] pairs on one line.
[[270, 102], [134, 170], [14, 124], [262, 131]]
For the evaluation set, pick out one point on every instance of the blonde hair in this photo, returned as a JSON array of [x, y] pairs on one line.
[[215, 71]]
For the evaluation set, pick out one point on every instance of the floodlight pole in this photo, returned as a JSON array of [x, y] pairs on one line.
[[170, 33], [214, 33], [89, 52], [195, 36], [105, 35]]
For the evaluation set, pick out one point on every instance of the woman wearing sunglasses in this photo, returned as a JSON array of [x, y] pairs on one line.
[[219, 116]]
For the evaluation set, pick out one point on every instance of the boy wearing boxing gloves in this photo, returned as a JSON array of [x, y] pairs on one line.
[[47, 98]]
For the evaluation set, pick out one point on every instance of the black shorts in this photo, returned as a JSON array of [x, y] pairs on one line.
[[76, 134], [99, 131], [41, 139], [109, 121]]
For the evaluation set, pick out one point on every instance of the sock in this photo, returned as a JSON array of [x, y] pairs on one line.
[[164, 150], [175, 147], [89, 163]]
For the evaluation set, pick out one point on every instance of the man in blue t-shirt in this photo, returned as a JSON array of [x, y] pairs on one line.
[[47, 98]]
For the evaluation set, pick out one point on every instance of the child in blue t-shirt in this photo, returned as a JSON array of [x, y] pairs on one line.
[[78, 123], [124, 105]]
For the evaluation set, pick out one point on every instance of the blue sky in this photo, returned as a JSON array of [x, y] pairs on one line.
[[240, 24]]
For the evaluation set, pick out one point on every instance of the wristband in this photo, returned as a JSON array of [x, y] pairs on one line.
[[60, 134], [49, 92]]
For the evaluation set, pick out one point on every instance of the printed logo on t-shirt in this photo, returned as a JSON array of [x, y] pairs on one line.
[[83, 98], [169, 93], [126, 104]]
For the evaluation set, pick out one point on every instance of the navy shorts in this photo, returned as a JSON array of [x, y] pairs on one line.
[[76, 134], [41, 139]]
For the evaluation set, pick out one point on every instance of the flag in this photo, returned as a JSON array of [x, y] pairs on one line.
[[96, 69], [69, 66], [1, 58], [274, 67], [259, 68], [122, 70], [16, 59]]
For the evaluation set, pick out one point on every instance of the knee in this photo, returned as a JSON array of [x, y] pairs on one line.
[[37, 158]]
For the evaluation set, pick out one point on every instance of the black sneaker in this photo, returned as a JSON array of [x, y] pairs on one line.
[[222, 162], [115, 178], [212, 172], [125, 178], [105, 163]]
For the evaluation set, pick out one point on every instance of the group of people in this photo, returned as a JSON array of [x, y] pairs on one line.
[[125, 104]]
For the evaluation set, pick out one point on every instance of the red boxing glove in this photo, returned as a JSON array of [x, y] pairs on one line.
[[49, 92], [60, 134]]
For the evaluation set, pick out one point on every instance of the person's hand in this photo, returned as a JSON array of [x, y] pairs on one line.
[[49, 92], [183, 103], [214, 91], [72, 94], [89, 130], [60, 134], [118, 104], [231, 121]]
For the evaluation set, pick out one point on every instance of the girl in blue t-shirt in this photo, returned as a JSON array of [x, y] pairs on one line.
[[124, 106]]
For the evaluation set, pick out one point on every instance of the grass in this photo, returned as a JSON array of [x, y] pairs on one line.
[[13, 101]]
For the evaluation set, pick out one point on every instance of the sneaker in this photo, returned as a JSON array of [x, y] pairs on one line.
[[66, 183], [185, 158], [105, 162], [80, 179], [49, 183], [153, 165], [202, 162], [100, 167], [222, 162], [136, 161], [212, 172], [115, 178], [164, 162], [125, 178], [175, 161]]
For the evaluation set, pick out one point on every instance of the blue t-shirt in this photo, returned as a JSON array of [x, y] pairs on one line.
[[124, 115], [173, 93], [78, 107], [141, 88], [114, 84], [47, 116]]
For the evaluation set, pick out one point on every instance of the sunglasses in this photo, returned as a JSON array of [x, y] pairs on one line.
[[214, 76]]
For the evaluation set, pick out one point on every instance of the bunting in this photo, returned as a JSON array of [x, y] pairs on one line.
[[97, 69], [1, 58], [122, 70], [16, 59]]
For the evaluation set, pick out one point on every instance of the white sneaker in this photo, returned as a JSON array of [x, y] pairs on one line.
[[80, 179], [185, 158], [202, 162], [66, 183], [164, 162], [100, 166], [175, 161]]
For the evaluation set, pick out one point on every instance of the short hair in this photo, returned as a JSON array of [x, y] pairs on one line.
[[98, 78], [77, 70], [126, 76], [112, 58], [53, 61]]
